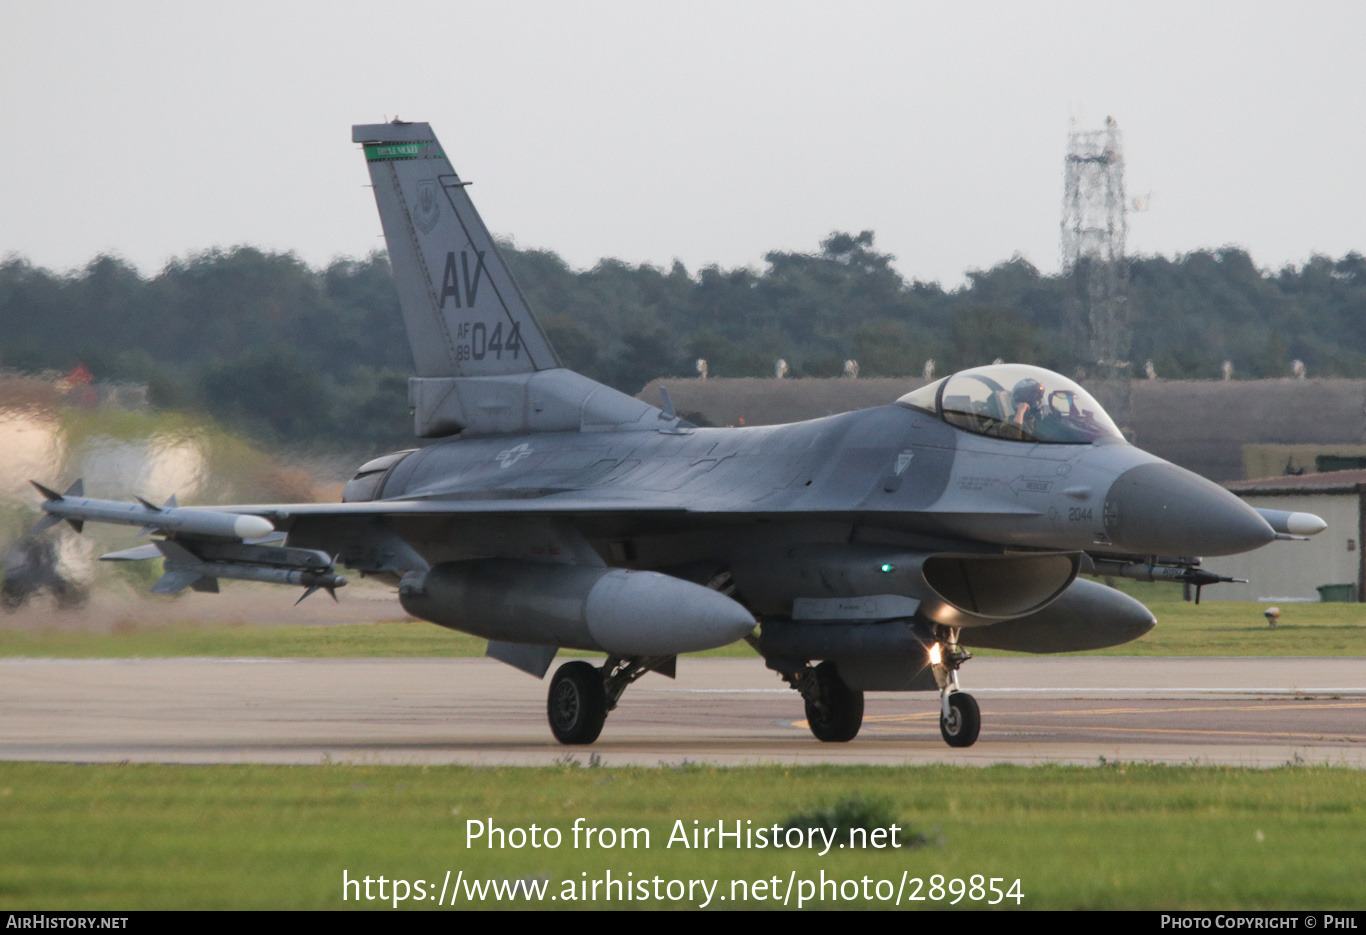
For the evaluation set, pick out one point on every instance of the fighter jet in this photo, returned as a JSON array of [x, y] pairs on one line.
[[859, 552]]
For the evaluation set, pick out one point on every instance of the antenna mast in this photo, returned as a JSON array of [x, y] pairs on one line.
[[1094, 227]]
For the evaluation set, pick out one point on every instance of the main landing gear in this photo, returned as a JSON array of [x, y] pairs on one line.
[[960, 719], [581, 695], [834, 711], [577, 705]]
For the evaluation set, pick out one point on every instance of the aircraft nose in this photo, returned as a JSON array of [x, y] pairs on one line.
[[1163, 509]]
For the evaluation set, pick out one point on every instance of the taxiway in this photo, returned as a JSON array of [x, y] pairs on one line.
[[1252, 711]]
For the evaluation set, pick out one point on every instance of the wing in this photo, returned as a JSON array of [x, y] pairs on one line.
[[300, 543]]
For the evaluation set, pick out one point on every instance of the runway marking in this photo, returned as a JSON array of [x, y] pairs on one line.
[[1320, 735], [890, 722], [1354, 690], [1344, 738], [998, 723], [1360, 690], [1304, 706], [719, 691], [884, 718]]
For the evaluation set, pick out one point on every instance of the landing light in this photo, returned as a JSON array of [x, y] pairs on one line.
[[886, 568], [936, 657]]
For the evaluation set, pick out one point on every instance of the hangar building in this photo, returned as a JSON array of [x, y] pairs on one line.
[[1295, 570], [1222, 429]]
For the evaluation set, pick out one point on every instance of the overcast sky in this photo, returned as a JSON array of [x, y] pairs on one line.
[[706, 132]]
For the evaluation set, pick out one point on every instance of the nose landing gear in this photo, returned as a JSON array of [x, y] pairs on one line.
[[960, 719]]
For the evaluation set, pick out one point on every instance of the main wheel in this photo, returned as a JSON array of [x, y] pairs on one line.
[[839, 715], [577, 704], [964, 723]]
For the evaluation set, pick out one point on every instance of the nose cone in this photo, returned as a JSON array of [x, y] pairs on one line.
[[1163, 509]]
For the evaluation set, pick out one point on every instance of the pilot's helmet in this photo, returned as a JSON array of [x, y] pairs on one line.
[[1028, 391]]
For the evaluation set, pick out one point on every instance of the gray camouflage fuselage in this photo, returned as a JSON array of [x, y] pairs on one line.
[[889, 474], [551, 511]]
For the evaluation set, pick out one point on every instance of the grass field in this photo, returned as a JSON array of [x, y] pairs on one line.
[[1119, 836], [1111, 836], [1183, 629]]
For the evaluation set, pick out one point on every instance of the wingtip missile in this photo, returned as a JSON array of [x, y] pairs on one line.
[[77, 509], [1290, 524]]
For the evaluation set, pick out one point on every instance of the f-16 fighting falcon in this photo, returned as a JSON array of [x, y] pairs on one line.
[[547, 511]]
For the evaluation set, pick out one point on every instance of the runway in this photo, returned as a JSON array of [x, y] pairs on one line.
[[1229, 711]]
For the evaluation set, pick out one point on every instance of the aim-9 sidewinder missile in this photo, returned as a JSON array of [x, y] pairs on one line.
[[171, 518]]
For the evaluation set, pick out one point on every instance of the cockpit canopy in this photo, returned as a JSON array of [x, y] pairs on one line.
[[1017, 402]]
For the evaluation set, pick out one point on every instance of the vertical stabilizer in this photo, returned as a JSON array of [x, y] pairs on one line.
[[464, 314]]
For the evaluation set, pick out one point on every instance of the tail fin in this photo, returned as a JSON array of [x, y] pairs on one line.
[[484, 366], [464, 313]]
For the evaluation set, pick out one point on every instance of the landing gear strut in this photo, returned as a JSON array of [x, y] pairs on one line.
[[960, 719], [581, 694]]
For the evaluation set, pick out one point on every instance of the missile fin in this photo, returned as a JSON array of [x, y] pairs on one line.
[[173, 582], [176, 552], [151, 506], [307, 593], [46, 523], [76, 524], [135, 554], [75, 490], [47, 492], [171, 503]]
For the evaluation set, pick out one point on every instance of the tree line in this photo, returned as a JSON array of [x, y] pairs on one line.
[[294, 353]]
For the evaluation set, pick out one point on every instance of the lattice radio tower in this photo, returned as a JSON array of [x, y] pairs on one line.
[[1094, 225]]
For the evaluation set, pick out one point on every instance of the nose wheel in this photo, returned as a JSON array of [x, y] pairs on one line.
[[961, 725], [960, 719]]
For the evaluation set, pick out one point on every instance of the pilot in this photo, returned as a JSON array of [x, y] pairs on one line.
[[1027, 401]]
